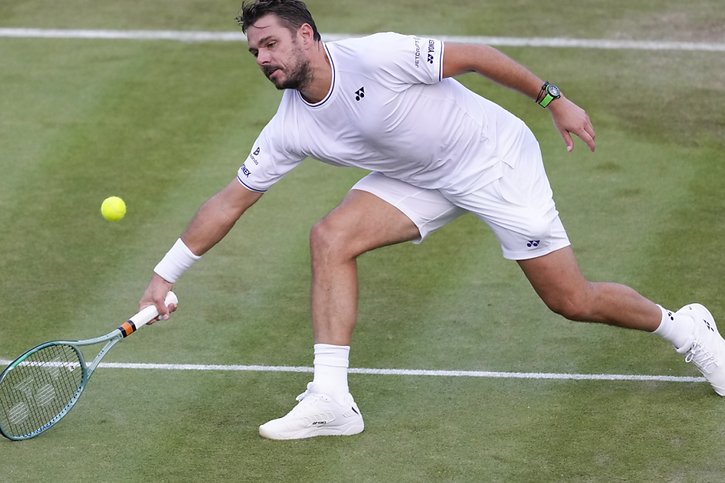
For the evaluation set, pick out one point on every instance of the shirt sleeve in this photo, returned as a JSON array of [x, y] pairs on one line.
[[408, 59], [270, 159]]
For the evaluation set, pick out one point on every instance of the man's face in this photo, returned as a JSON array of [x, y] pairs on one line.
[[278, 53]]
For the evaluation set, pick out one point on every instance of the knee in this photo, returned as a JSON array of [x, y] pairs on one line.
[[573, 306], [329, 241]]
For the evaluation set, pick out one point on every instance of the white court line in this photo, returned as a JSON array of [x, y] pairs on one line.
[[397, 372], [203, 36]]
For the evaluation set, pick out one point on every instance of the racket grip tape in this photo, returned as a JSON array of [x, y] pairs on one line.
[[145, 316]]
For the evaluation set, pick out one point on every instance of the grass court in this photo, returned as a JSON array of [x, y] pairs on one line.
[[165, 124]]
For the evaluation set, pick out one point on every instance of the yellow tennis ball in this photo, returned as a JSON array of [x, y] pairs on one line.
[[113, 208]]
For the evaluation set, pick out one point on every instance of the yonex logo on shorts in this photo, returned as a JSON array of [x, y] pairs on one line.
[[533, 243]]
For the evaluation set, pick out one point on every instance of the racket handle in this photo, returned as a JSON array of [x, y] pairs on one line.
[[145, 316]]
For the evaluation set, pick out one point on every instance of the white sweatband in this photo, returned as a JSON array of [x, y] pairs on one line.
[[175, 262]]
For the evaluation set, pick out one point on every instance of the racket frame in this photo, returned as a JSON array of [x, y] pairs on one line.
[[112, 338]]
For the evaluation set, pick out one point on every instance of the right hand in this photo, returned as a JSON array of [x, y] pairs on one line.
[[155, 294]]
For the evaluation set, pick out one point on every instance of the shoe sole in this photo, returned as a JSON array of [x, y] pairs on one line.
[[349, 430]]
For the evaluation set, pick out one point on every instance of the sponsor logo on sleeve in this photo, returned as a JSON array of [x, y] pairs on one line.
[[417, 52], [431, 50], [254, 155]]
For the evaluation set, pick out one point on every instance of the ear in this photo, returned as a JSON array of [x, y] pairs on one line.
[[306, 34]]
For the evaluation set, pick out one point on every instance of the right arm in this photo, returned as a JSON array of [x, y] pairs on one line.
[[212, 222], [217, 216]]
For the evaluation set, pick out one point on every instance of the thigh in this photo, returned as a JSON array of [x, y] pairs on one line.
[[362, 222], [555, 275], [427, 210]]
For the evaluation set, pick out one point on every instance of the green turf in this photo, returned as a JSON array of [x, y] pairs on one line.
[[166, 124]]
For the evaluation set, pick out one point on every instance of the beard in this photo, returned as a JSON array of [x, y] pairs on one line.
[[297, 76]]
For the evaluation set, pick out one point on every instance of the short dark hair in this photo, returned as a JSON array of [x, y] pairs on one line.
[[292, 13]]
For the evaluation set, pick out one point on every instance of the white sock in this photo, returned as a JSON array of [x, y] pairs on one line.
[[674, 328], [331, 363]]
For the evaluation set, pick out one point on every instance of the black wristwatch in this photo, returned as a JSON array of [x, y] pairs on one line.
[[548, 93]]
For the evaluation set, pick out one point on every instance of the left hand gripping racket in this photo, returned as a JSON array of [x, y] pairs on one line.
[[41, 386]]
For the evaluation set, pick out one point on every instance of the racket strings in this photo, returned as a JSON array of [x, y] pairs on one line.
[[38, 389]]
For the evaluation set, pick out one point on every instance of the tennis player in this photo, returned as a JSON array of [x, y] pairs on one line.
[[389, 103]]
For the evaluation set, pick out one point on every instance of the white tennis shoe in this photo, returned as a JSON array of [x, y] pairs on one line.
[[316, 415], [706, 349]]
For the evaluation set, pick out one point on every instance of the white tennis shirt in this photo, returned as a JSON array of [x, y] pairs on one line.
[[389, 110]]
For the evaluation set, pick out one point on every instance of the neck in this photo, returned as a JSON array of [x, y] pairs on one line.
[[320, 78]]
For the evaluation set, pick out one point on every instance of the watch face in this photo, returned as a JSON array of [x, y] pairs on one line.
[[553, 90]]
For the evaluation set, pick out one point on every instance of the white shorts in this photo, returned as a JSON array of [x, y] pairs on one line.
[[518, 207]]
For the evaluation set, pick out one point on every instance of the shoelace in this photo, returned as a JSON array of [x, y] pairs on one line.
[[313, 395], [307, 394], [699, 356]]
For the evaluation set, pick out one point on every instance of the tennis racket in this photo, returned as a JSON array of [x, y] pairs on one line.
[[41, 386]]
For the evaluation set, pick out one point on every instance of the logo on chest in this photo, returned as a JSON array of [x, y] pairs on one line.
[[360, 93]]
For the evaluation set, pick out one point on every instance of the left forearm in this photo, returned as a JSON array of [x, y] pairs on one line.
[[491, 63]]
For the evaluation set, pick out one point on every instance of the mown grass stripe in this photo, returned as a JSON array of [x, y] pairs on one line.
[[208, 36]]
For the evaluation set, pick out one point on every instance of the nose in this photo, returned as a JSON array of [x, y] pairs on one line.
[[263, 57]]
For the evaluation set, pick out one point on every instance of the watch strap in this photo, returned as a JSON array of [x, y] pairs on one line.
[[545, 97]]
